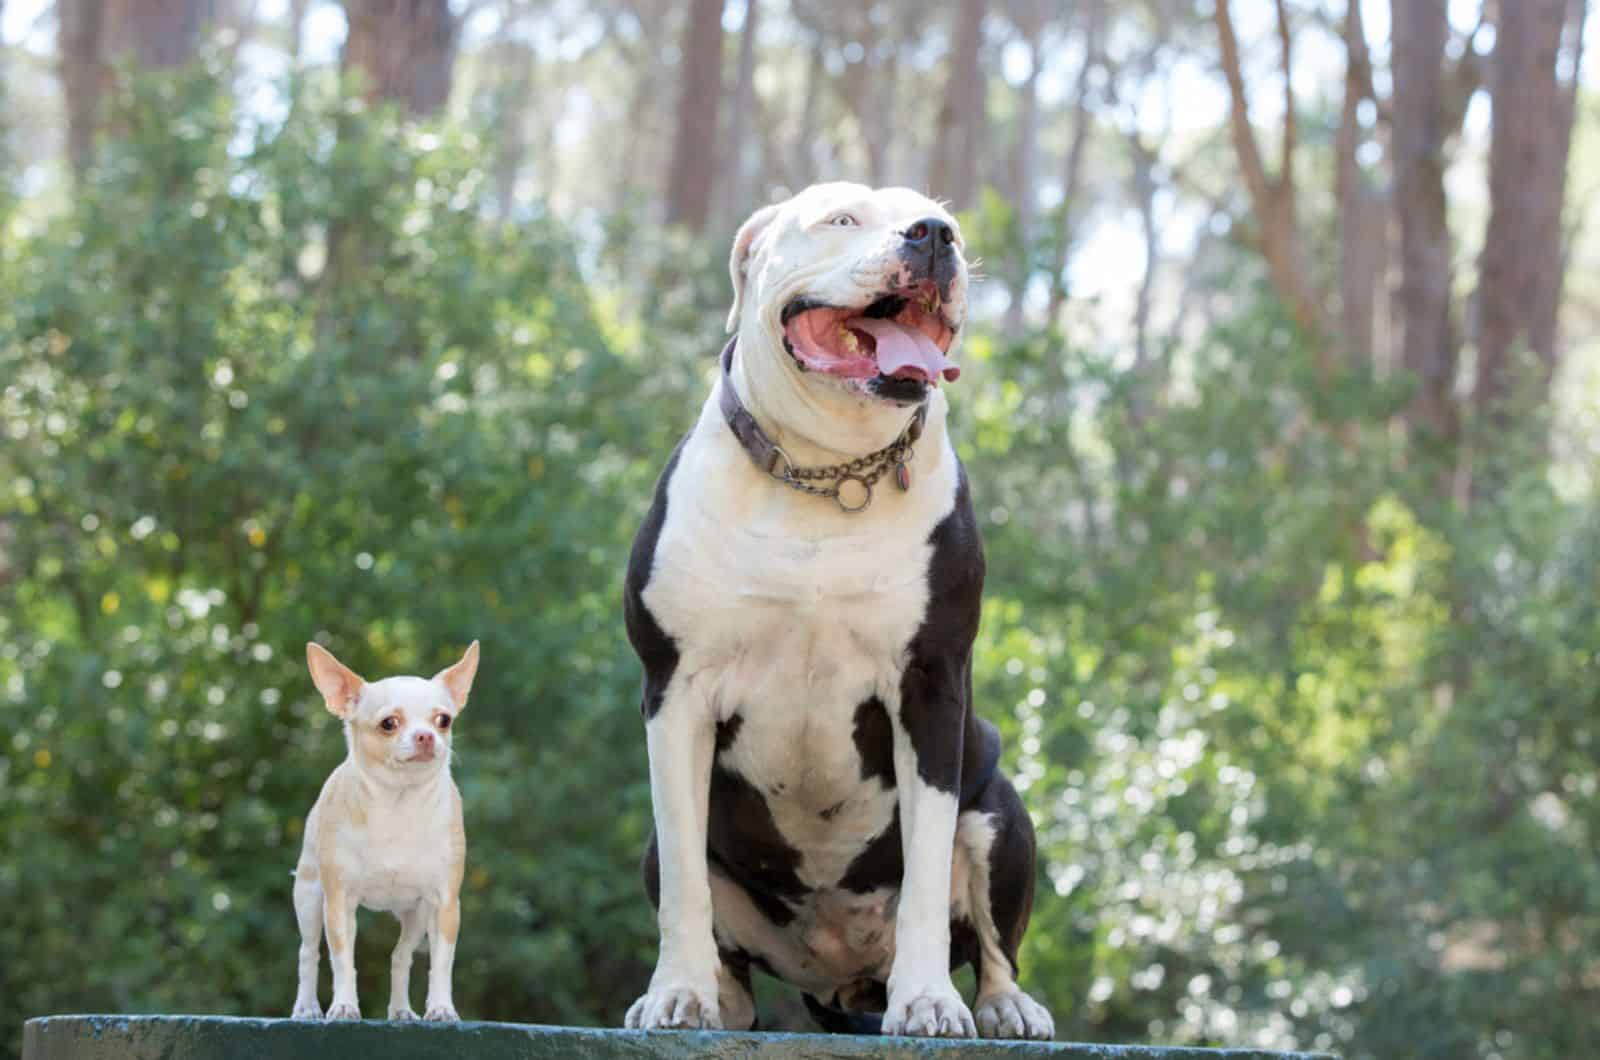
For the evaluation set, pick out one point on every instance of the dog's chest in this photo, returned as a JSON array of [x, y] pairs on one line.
[[397, 857], [794, 623]]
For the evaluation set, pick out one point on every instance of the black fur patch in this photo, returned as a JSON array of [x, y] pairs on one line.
[[881, 864], [936, 687], [874, 737], [728, 731], [658, 652], [744, 841], [1011, 866]]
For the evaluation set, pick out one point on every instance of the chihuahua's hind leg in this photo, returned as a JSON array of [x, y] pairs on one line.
[[308, 911], [413, 923]]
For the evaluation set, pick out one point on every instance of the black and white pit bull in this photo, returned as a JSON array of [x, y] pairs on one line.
[[803, 596]]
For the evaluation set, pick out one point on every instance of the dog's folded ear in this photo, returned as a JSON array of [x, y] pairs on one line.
[[739, 260], [457, 679], [339, 685]]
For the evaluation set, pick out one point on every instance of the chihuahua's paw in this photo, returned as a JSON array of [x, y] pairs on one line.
[[445, 1013], [307, 1010], [344, 1010], [402, 1015], [933, 1010], [676, 1008]]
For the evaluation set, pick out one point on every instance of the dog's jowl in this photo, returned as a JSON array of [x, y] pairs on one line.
[[804, 595]]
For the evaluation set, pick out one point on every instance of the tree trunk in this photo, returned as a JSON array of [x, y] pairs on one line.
[[80, 25], [694, 144], [156, 34], [404, 49], [1025, 165], [1273, 198], [1072, 177], [297, 26], [741, 153], [1362, 224], [511, 97], [955, 170], [804, 164], [1427, 330], [1521, 271]]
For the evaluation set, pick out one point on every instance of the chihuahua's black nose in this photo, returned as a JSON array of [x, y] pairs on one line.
[[930, 233]]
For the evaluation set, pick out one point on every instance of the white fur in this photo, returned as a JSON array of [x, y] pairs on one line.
[[791, 612], [385, 833]]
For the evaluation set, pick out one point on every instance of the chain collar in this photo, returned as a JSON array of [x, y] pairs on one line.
[[850, 484]]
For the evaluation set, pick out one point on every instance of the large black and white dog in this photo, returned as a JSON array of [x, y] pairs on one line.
[[804, 595]]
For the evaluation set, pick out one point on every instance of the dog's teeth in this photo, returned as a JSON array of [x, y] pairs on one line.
[[848, 340]]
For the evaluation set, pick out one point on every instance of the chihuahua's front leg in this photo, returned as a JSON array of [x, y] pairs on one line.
[[681, 736], [443, 928], [339, 917], [412, 925]]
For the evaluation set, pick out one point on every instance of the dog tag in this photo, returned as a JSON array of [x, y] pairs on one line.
[[902, 476]]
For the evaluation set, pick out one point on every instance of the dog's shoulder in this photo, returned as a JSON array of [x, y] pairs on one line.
[[655, 647]]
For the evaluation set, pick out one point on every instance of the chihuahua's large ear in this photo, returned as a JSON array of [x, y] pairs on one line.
[[338, 684], [739, 260], [457, 679]]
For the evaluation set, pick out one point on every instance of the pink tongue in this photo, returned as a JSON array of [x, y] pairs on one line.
[[905, 351]]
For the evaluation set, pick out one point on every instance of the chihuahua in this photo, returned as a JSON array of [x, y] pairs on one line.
[[385, 833]]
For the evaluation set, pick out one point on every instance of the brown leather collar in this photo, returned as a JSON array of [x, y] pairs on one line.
[[855, 478]]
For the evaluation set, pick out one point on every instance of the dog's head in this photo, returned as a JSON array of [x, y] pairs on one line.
[[400, 727], [853, 289]]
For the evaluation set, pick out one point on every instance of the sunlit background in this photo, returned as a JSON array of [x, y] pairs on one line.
[[375, 321]]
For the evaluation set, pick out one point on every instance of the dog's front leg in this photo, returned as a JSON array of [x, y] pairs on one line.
[[927, 764], [683, 991]]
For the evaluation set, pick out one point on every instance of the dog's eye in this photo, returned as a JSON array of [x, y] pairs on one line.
[[843, 220], [443, 722], [389, 724]]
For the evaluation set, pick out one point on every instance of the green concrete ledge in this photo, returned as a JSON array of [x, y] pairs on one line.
[[230, 1038]]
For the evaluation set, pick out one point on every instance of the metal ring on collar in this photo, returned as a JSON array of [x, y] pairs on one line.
[[772, 465], [838, 493]]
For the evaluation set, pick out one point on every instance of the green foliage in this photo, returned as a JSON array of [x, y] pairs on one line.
[[218, 446], [1309, 745]]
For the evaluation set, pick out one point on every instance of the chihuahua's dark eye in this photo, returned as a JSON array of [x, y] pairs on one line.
[[389, 724], [443, 722]]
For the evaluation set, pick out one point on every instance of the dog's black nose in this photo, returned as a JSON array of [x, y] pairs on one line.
[[930, 233]]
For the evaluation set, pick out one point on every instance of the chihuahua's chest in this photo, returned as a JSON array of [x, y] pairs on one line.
[[395, 853]]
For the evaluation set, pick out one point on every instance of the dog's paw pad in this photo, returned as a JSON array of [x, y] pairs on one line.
[[441, 1014], [931, 1012], [402, 1015], [676, 1008], [307, 1010], [1014, 1015], [343, 1010]]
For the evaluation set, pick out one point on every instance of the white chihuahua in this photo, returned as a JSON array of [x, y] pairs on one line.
[[385, 833]]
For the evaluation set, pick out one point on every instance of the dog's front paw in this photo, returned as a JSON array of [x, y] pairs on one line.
[[676, 1008], [931, 1010], [443, 1012], [344, 1010], [1014, 1014], [402, 1015], [307, 1010]]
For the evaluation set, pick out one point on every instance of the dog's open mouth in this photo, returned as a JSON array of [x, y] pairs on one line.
[[902, 335]]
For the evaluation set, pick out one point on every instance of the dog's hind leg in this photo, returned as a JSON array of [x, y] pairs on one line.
[[996, 839], [413, 923], [308, 912]]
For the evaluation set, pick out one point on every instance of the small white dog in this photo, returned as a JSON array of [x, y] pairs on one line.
[[386, 833]]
